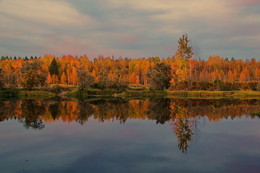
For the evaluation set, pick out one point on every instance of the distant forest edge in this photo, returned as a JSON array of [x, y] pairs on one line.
[[179, 72]]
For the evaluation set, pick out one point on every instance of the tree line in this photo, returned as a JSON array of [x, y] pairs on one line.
[[180, 72]]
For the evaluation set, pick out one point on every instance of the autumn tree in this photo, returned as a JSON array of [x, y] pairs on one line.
[[103, 80], [160, 77], [63, 78], [244, 75], [118, 83], [10, 80], [257, 74], [185, 50], [85, 79], [117, 79], [32, 75], [1, 79], [182, 60]]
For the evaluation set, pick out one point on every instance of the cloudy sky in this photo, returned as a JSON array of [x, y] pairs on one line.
[[132, 28]]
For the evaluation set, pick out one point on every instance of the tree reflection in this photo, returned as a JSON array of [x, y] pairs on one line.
[[85, 111], [182, 113], [111, 109], [31, 110], [158, 110], [183, 132], [183, 123], [54, 110]]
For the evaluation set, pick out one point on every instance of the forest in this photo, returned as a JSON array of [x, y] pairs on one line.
[[182, 71]]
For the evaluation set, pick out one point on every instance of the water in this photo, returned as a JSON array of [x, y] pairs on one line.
[[116, 135]]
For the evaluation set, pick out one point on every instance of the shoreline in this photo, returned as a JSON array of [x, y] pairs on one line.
[[81, 94]]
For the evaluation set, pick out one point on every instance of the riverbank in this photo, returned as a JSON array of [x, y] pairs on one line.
[[115, 93], [26, 94], [75, 93], [164, 93], [216, 94]]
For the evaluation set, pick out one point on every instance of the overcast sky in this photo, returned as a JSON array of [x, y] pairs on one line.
[[129, 28]]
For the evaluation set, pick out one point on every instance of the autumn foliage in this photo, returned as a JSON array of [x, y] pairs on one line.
[[216, 73]]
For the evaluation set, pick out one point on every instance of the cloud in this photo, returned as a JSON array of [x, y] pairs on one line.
[[30, 26], [50, 12], [247, 2], [129, 38], [128, 28], [176, 10]]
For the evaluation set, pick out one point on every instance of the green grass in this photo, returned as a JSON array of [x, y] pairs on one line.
[[222, 94], [146, 92], [133, 91], [35, 94], [91, 92], [140, 91], [111, 92], [136, 87]]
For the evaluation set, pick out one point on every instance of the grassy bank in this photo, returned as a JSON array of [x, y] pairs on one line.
[[8, 93], [91, 93], [114, 93], [35, 94], [140, 92], [26, 94], [149, 93], [221, 94]]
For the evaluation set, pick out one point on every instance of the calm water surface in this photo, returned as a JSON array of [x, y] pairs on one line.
[[149, 135]]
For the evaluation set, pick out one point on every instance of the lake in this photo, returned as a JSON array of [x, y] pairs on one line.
[[133, 135]]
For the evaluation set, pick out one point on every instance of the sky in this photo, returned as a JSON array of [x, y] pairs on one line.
[[129, 28]]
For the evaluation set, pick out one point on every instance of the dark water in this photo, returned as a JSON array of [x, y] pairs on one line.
[[150, 135]]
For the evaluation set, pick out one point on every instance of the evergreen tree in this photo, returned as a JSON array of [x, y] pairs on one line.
[[53, 68]]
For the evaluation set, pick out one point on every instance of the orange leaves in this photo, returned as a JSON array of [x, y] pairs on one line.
[[63, 78], [257, 74], [244, 75], [135, 71]]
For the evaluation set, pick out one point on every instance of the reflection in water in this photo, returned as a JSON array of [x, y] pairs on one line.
[[30, 111], [180, 113], [183, 132], [158, 110]]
